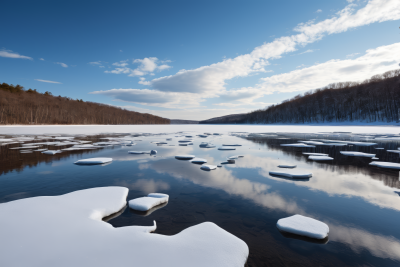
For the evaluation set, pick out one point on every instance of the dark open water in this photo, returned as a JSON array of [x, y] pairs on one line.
[[357, 201]]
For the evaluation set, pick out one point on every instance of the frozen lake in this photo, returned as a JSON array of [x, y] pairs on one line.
[[358, 202]]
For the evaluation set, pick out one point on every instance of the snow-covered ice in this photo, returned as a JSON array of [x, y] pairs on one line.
[[226, 148], [362, 144], [287, 166], [186, 157], [93, 161], [297, 145], [314, 154], [51, 152], [232, 145], [146, 203], [198, 160], [304, 226], [208, 167], [320, 158], [387, 165], [393, 151], [292, 174], [68, 230], [357, 154]]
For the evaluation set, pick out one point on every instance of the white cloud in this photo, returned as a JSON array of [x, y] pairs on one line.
[[62, 64], [307, 51], [146, 67], [375, 61], [11, 54], [210, 80], [46, 81], [95, 63], [41, 59], [319, 11], [143, 81], [353, 55]]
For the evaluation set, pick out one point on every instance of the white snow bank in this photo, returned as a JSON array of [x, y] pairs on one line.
[[287, 166], [185, 157], [198, 160], [314, 154], [292, 174], [305, 226], [320, 158], [297, 145], [226, 148], [93, 161], [387, 165], [208, 167], [357, 154], [146, 203], [68, 230], [51, 152]]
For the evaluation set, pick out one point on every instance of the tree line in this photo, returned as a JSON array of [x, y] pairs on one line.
[[374, 100], [20, 106]]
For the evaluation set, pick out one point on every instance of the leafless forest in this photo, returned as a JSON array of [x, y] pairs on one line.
[[19, 106], [375, 99]]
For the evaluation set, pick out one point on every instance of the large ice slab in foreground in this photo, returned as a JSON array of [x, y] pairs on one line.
[[93, 161], [198, 160], [305, 226], [185, 157], [68, 230], [387, 165], [292, 174], [146, 203], [357, 154]]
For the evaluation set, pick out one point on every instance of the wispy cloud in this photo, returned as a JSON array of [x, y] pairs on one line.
[[41, 59], [307, 51], [46, 81], [353, 55], [11, 54], [318, 11], [62, 64], [147, 66]]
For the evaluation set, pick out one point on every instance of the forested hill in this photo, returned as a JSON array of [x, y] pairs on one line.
[[373, 100], [20, 106]]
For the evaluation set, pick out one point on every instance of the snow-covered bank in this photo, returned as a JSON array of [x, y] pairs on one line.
[[223, 128], [68, 230]]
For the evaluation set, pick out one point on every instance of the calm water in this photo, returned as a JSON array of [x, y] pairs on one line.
[[357, 201]]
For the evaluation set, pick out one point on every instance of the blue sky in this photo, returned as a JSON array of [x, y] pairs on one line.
[[195, 59]]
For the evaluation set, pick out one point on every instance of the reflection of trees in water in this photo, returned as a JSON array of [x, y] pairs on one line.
[[14, 160], [341, 163]]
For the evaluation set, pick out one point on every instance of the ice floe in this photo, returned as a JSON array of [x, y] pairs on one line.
[[375, 158], [68, 230], [185, 157], [231, 145], [320, 158], [393, 151], [387, 165], [314, 154], [357, 154], [287, 166], [292, 174], [208, 167], [146, 203], [51, 152], [198, 160], [362, 144], [93, 161], [226, 148], [304, 226], [297, 145], [25, 147]]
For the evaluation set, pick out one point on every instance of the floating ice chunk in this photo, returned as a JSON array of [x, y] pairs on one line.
[[185, 141], [312, 142], [314, 154], [231, 145], [185, 157], [209, 146], [25, 147], [230, 160], [25, 151], [357, 154], [233, 157], [183, 144], [320, 158], [362, 144], [203, 144], [305, 226], [190, 144], [375, 158], [152, 152], [169, 139], [219, 165], [387, 165], [40, 150], [146, 203], [69, 228], [136, 152], [51, 152], [208, 167], [6, 140], [202, 135], [297, 145], [226, 148], [292, 174], [287, 166], [198, 160], [216, 134], [188, 136], [379, 148], [93, 161]]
